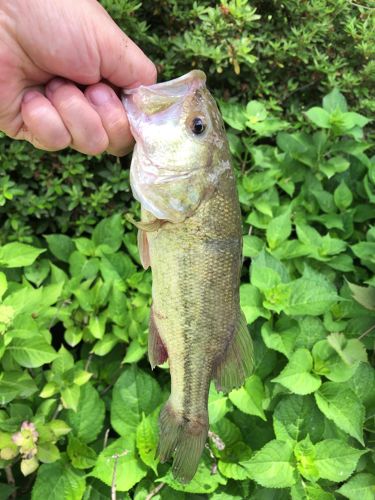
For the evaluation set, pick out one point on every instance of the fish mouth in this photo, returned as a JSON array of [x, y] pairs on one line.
[[147, 100]]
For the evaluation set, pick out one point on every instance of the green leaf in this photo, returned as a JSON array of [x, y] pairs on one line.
[[335, 101], [336, 460], [279, 229], [147, 440], [218, 405], [255, 112], [134, 352], [363, 295], [251, 303], [340, 404], [70, 397], [107, 235], [233, 114], [16, 384], [81, 455], [58, 481], [297, 376], [61, 246], [3, 284], [312, 294], [18, 254], [296, 417], [319, 117], [129, 468], [249, 398], [305, 454], [343, 196], [134, 393], [281, 336], [47, 453], [31, 353], [360, 486], [87, 422], [272, 466]]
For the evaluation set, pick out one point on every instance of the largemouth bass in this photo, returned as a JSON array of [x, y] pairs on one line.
[[190, 234]]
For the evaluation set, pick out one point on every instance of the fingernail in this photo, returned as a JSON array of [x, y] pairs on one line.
[[55, 84], [29, 96], [99, 96]]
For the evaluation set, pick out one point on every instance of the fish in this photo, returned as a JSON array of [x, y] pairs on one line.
[[190, 234]]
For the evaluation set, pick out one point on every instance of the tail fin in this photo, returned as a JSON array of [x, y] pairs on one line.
[[185, 437]]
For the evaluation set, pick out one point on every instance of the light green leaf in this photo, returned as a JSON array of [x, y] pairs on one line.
[[87, 422], [297, 376], [58, 481], [31, 353], [251, 303], [47, 453], [363, 295], [3, 284], [281, 336], [336, 460], [129, 468], [340, 404], [16, 384], [80, 454], [218, 405], [147, 440], [335, 101], [319, 117], [255, 112], [134, 393], [134, 352], [70, 397], [272, 466], [105, 345], [343, 196], [295, 417], [249, 398], [279, 229], [18, 254], [107, 235], [360, 486]]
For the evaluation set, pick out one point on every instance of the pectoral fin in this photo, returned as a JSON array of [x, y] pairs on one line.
[[143, 248], [237, 364], [157, 353]]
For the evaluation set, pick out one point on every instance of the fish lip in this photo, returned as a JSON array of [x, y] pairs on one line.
[[177, 87]]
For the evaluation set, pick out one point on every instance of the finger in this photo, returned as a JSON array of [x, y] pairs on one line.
[[112, 114], [81, 120], [43, 126]]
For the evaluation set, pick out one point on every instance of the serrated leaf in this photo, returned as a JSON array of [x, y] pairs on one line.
[[272, 466], [107, 235], [80, 454], [134, 393], [129, 468], [87, 422], [147, 440], [360, 486], [297, 376], [336, 460], [31, 353], [61, 246], [340, 404], [319, 117], [335, 101], [58, 481], [249, 398], [279, 229], [218, 405], [296, 417], [343, 196]]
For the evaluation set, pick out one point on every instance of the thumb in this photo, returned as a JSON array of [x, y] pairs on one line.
[[122, 62]]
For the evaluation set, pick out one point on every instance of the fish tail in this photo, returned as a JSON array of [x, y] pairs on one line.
[[186, 437]]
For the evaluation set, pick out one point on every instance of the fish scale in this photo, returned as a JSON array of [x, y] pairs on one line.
[[191, 236]]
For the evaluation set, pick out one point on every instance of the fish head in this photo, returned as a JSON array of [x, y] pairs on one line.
[[180, 144]]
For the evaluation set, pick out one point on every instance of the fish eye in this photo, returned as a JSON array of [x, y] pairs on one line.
[[198, 126]]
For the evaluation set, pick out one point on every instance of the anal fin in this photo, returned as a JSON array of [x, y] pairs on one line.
[[157, 353], [238, 362]]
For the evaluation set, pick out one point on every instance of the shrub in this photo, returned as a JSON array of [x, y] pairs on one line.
[[286, 54], [80, 403]]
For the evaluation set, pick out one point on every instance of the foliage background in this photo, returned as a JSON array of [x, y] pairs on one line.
[[75, 302]]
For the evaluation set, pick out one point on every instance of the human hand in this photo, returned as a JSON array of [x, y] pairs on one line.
[[59, 60]]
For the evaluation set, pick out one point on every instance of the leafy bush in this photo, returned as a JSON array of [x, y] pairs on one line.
[[79, 402], [287, 54]]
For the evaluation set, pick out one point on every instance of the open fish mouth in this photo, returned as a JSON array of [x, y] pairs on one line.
[[147, 100]]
